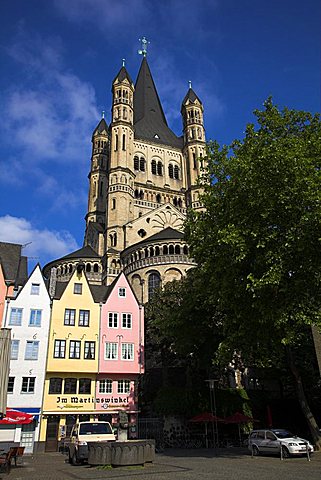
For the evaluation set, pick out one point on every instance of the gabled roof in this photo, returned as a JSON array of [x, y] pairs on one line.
[[122, 75], [102, 125], [149, 119], [15, 266], [191, 96], [168, 233]]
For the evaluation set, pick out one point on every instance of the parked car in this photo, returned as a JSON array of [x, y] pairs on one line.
[[84, 432], [275, 439]]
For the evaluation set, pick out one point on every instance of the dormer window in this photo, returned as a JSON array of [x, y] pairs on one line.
[[122, 292]]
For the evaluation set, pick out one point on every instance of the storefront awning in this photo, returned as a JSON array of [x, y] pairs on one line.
[[16, 417]]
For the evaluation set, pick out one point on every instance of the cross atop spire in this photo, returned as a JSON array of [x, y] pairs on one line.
[[190, 84], [124, 61], [144, 43]]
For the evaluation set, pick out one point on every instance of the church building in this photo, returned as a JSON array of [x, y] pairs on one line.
[[142, 180]]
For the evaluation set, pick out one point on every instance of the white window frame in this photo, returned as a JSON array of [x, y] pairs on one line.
[[36, 316], [78, 288], [12, 382], [122, 292], [15, 318], [112, 320], [123, 386], [32, 350], [106, 385], [14, 349], [126, 321], [127, 352], [90, 346], [29, 383], [113, 351]]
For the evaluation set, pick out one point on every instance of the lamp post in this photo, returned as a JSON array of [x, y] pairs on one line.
[[211, 384]]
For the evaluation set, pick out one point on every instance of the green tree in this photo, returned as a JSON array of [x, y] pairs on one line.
[[258, 240]]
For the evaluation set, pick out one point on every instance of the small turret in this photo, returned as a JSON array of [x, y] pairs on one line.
[[194, 142]]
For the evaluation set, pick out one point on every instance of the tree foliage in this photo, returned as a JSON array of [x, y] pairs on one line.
[[258, 240]]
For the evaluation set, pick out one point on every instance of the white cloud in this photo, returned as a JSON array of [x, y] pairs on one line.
[[45, 244]]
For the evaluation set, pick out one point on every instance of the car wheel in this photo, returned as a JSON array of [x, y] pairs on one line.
[[255, 451], [285, 452], [74, 460]]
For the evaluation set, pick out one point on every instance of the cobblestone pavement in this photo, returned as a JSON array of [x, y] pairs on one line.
[[228, 464]]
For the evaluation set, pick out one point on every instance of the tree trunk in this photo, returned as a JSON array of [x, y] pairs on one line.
[[314, 429]]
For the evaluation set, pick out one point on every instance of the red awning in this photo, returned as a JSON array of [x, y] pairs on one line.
[[239, 418], [205, 417], [14, 417]]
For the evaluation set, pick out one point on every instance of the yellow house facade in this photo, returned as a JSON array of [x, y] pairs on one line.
[[72, 360]]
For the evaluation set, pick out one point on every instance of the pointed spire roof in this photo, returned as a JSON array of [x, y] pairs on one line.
[[122, 75], [149, 119], [102, 125], [191, 96]]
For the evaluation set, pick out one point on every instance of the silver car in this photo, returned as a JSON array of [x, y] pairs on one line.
[[275, 439]]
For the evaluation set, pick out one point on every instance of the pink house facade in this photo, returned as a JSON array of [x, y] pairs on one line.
[[121, 349]]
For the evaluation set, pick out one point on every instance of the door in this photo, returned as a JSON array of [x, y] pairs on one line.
[[28, 437], [52, 433]]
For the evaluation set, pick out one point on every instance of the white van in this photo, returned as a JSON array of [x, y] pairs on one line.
[[84, 432]]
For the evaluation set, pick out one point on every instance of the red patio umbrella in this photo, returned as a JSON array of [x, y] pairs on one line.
[[239, 418], [14, 417], [206, 418]]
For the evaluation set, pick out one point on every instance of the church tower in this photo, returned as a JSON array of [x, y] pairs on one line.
[[120, 192], [194, 144]]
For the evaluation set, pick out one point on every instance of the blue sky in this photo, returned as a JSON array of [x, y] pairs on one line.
[[59, 58]]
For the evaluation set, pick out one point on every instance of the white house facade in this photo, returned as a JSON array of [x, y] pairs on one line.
[[28, 317]]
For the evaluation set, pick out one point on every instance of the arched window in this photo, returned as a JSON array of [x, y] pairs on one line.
[[142, 164], [156, 251], [116, 142], [154, 282], [179, 202], [154, 167], [136, 194], [158, 198], [194, 160], [176, 172], [185, 250], [96, 267], [70, 268], [175, 201], [170, 171], [136, 163], [88, 267], [141, 194], [146, 252], [113, 203], [177, 249], [159, 168], [171, 250], [151, 251], [165, 250], [124, 142]]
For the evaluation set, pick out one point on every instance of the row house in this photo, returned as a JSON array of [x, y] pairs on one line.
[[28, 317], [94, 356]]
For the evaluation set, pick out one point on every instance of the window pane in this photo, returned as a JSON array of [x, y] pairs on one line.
[[32, 349], [89, 350], [84, 385], [28, 385], [84, 318], [10, 384], [123, 386], [14, 349], [70, 385], [105, 386], [35, 318], [78, 288], [113, 320], [69, 316], [60, 349], [15, 316], [55, 385], [111, 351], [74, 349], [122, 292], [126, 320], [127, 351], [35, 288]]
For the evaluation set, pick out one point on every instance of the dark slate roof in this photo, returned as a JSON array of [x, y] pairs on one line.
[[96, 226], [149, 118], [59, 290], [15, 266], [167, 234], [102, 125], [122, 74], [100, 292], [84, 252], [191, 95]]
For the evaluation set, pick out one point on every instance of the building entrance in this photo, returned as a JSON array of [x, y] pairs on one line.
[[52, 433]]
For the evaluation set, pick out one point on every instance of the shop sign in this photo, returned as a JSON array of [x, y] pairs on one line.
[[80, 402]]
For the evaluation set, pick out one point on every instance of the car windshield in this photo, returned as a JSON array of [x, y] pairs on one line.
[[94, 428], [283, 433]]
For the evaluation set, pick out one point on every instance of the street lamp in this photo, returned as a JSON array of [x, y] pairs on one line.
[[211, 384]]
